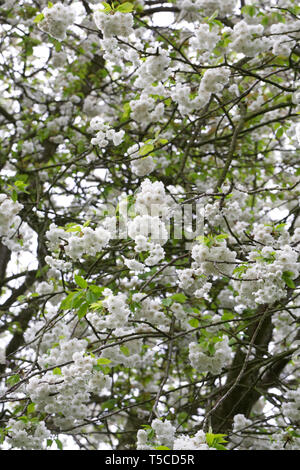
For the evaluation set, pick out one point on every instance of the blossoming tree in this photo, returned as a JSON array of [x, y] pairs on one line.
[[149, 224]]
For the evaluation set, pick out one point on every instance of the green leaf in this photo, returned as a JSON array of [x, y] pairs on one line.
[[21, 186], [31, 408], [147, 148], [103, 360], [127, 111], [107, 7], [59, 444], [279, 132], [39, 18], [13, 380], [213, 16], [167, 302], [222, 236], [216, 440], [91, 297], [82, 310], [57, 371], [125, 350], [96, 289], [109, 404], [249, 10], [194, 322], [286, 276], [161, 448], [14, 195], [74, 228], [80, 281], [67, 302], [227, 315], [220, 447], [180, 298], [126, 7], [96, 305]]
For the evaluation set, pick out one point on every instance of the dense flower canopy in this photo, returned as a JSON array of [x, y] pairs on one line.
[[149, 224]]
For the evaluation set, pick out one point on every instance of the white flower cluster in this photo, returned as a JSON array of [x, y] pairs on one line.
[[284, 333], [145, 227], [214, 80], [12, 234], [291, 408], [298, 132], [241, 438], [198, 442], [27, 435], [236, 211], [141, 166], [214, 260], [165, 435], [56, 236], [223, 6], [132, 356], [29, 147], [58, 124], [189, 10], [181, 94], [204, 290], [164, 431], [191, 280], [240, 424], [149, 229], [282, 44], [155, 68], [134, 265], [64, 391], [2, 355], [151, 196], [44, 288], [88, 242], [263, 282], [153, 200], [203, 362], [117, 312], [205, 38], [91, 106], [117, 24], [193, 10], [145, 111], [44, 338], [58, 265], [59, 59], [105, 133], [75, 244], [114, 53], [151, 311], [281, 441], [156, 254], [56, 20], [244, 40]]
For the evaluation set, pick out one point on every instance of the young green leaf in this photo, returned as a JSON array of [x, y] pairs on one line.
[[126, 7], [80, 281], [145, 149]]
